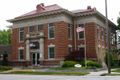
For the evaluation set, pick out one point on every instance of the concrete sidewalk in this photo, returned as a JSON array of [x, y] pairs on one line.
[[97, 73], [101, 72]]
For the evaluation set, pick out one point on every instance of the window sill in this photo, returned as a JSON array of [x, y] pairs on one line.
[[70, 39], [21, 41], [51, 38], [21, 60], [81, 39], [51, 58]]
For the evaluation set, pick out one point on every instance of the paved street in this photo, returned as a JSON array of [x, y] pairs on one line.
[[47, 77]]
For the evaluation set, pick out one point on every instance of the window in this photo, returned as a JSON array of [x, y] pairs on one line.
[[51, 31], [40, 27], [81, 29], [81, 50], [0, 56], [31, 28], [69, 49], [21, 34], [69, 31], [112, 38], [102, 34], [51, 52], [20, 54], [98, 34], [81, 35]]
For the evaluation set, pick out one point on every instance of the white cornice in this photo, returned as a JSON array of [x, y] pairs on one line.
[[41, 14]]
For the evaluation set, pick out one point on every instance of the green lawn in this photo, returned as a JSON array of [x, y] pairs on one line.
[[70, 68], [5, 68], [117, 70], [60, 68], [49, 73]]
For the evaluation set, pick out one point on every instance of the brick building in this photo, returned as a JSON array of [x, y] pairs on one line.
[[48, 34]]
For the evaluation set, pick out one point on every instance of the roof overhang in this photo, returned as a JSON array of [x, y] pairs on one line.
[[97, 14], [41, 14]]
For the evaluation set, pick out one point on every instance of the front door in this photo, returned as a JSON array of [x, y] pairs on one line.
[[35, 59]]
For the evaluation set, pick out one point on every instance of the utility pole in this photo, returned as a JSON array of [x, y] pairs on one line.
[[108, 43]]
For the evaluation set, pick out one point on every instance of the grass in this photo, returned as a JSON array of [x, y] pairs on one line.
[[68, 68], [5, 68], [49, 73], [60, 68], [116, 70]]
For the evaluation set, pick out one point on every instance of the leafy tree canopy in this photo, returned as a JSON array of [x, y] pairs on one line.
[[118, 22], [5, 37]]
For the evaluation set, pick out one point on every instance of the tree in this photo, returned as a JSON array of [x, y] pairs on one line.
[[118, 22], [118, 30], [5, 37]]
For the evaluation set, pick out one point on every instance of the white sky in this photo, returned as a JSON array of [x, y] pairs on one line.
[[13, 8]]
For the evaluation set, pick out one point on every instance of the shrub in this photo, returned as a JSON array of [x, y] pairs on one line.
[[4, 68], [110, 58], [69, 64], [93, 64], [82, 62]]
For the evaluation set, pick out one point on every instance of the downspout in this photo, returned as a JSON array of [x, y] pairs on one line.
[[74, 38]]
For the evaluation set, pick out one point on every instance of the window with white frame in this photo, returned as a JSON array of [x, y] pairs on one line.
[[51, 31], [69, 31], [31, 28], [81, 35], [40, 27], [81, 31], [51, 51], [112, 38], [102, 34], [69, 49], [98, 32], [81, 50], [21, 34], [20, 54]]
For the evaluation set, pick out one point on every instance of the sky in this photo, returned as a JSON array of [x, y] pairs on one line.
[[10, 9]]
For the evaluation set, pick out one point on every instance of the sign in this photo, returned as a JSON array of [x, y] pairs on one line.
[[34, 45]]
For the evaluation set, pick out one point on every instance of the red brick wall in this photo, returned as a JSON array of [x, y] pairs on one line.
[[16, 44], [90, 38], [60, 41], [90, 32]]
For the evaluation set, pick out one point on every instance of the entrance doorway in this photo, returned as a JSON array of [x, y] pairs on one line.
[[35, 59]]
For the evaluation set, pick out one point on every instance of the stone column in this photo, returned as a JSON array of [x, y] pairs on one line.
[[41, 44], [27, 50]]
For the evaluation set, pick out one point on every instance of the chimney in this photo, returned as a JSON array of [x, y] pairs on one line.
[[40, 7], [88, 7]]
